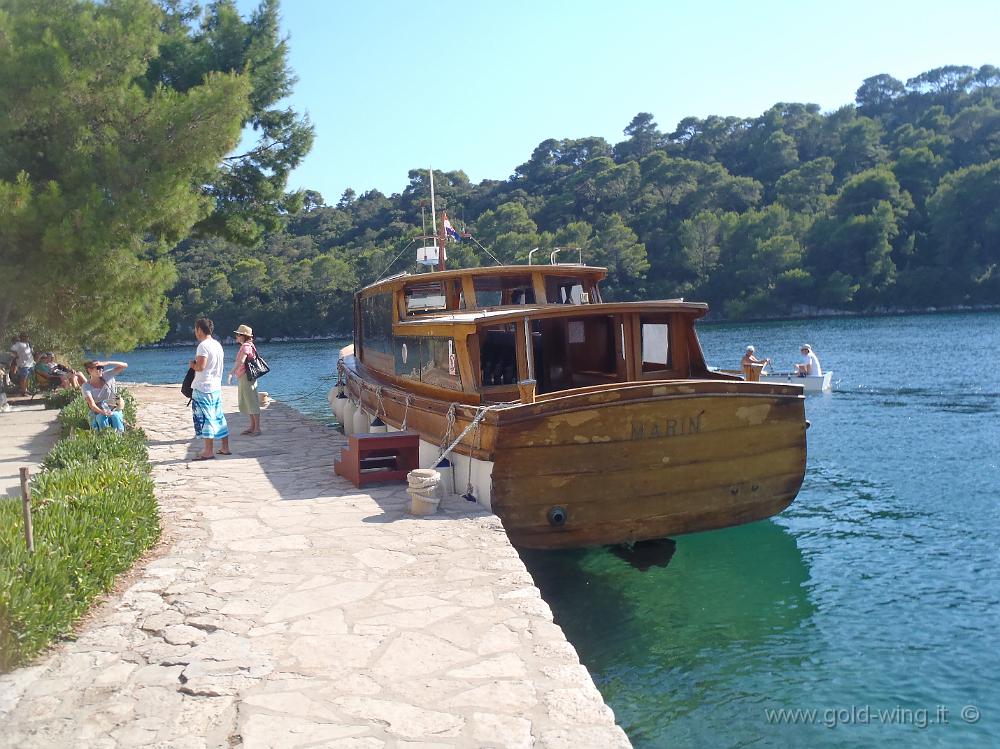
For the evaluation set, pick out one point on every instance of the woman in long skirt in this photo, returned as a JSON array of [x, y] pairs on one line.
[[248, 400]]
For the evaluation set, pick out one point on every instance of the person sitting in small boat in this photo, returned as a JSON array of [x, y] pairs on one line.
[[751, 365], [809, 366], [750, 358]]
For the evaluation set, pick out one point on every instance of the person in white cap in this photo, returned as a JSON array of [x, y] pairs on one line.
[[248, 399], [809, 366]]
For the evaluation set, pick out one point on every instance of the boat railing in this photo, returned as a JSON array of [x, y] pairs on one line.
[[557, 250]]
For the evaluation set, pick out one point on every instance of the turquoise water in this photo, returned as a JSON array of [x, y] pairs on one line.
[[874, 600]]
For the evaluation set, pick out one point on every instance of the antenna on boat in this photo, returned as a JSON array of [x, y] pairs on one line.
[[434, 225]]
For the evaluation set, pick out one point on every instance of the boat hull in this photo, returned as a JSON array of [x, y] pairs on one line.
[[818, 384], [619, 464], [649, 466]]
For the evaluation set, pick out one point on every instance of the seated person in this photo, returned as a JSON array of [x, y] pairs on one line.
[[48, 372], [101, 394], [809, 366], [751, 365]]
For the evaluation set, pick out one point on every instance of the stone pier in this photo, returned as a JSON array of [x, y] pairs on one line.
[[285, 608]]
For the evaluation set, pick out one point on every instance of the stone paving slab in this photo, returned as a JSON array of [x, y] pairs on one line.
[[27, 433], [285, 608]]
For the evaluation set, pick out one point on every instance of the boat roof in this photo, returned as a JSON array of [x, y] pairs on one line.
[[513, 313], [559, 269]]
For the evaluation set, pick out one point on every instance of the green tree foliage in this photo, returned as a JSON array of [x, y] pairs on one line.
[[248, 188], [98, 172], [114, 120], [965, 224], [891, 201]]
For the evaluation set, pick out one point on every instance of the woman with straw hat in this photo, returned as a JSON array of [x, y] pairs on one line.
[[248, 400]]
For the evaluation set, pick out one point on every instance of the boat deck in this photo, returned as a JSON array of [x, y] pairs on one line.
[[286, 608]]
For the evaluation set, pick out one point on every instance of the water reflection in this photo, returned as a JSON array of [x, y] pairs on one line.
[[675, 642]]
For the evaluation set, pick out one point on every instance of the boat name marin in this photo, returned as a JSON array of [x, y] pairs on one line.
[[666, 428]]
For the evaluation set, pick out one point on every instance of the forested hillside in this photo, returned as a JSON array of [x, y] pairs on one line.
[[893, 201]]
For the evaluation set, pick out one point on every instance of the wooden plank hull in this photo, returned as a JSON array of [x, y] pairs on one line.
[[631, 462], [649, 467]]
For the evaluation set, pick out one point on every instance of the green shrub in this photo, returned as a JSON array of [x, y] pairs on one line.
[[75, 415], [94, 513], [59, 398], [87, 447]]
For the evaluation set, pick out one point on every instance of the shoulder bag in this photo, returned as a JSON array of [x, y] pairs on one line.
[[256, 367]]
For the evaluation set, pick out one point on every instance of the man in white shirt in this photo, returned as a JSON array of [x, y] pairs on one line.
[[809, 367], [24, 361], [206, 401]]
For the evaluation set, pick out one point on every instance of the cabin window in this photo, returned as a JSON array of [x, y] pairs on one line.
[[498, 355], [431, 360], [565, 290], [655, 346], [575, 352], [426, 297], [376, 331], [496, 291]]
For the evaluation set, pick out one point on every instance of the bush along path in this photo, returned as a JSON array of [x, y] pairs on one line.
[[94, 513]]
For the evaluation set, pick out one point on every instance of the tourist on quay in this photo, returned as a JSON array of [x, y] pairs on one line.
[[247, 388], [101, 394], [751, 365], [24, 362], [809, 366], [206, 401]]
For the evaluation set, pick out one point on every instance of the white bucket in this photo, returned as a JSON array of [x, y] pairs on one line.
[[424, 488], [264, 398]]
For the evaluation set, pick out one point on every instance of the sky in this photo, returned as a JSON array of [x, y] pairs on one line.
[[392, 86]]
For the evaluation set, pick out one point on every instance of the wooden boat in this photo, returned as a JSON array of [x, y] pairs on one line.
[[578, 422]]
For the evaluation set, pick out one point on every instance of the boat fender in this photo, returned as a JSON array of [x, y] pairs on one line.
[[557, 516], [347, 416], [339, 401], [362, 422], [377, 426]]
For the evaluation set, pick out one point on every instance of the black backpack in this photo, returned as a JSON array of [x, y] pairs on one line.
[[187, 389]]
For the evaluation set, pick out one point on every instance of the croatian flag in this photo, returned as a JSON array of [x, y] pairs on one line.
[[450, 231]]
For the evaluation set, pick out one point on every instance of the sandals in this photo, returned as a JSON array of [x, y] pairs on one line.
[[223, 452], [246, 432], [203, 457]]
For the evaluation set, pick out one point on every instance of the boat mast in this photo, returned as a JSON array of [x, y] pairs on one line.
[[434, 224]]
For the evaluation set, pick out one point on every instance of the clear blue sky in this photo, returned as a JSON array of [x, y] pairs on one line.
[[392, 86]]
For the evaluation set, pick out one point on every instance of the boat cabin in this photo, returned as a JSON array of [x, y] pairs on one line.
[[479, 332]]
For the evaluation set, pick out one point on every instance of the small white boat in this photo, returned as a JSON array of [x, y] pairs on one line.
[[812, 384]]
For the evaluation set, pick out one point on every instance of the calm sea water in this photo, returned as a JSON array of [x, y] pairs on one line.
[[871, 605]]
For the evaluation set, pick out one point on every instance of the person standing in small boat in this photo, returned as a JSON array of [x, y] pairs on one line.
[[751, 365], [809, 366], [206, 402], [248, 398]]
